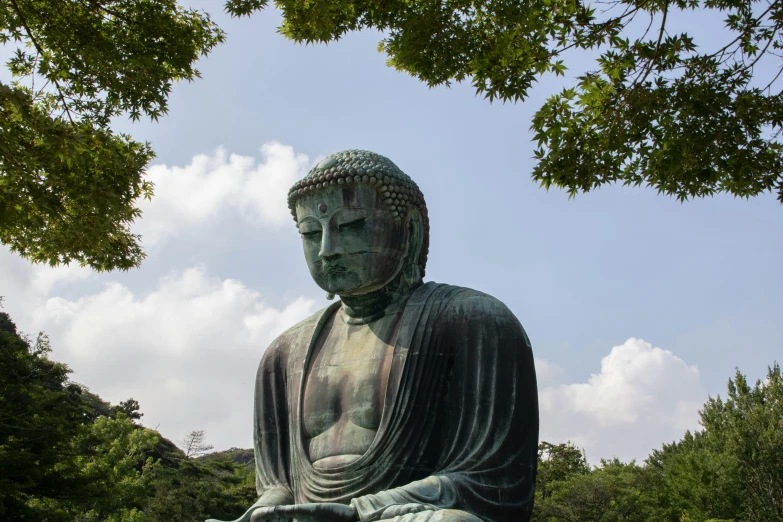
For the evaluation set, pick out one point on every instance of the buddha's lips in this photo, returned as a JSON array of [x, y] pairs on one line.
[[334, 269]]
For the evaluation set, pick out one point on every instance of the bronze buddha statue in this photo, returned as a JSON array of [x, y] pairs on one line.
[[403, 401]]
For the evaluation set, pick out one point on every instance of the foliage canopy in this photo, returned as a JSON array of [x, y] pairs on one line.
[[68, 184], [656, 110]]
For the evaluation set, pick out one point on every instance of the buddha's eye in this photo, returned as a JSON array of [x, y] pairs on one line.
[[310, 230], [354, 224], [311, 235]]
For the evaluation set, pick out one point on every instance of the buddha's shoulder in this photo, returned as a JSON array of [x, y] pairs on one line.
[[461, 301], [462, 309]]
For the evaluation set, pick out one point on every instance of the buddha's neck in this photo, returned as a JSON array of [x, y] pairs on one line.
[[364, 308]]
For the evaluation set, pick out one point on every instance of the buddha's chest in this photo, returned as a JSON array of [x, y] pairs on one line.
[[346, 379]]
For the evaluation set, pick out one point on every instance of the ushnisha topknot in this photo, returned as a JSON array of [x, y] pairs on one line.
[[348, 167]]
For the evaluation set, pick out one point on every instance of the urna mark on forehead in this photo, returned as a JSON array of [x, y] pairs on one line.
[[326, 201]]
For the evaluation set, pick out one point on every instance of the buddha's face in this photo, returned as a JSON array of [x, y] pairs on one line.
[[351, 243]]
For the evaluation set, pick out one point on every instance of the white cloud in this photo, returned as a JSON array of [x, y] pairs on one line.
[[547, 372], [187, 196], [644, 396], [25, 285], [187, 351], [44, 277]]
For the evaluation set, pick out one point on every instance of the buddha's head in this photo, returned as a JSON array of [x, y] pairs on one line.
[[363, 223]]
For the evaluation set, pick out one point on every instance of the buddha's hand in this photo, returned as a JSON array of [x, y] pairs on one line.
[[244, 518], [400, 510], [320, 512]]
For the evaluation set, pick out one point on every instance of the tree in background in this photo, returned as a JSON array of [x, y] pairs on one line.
[[733, 469], [696, 480], [216, 485], [114, 466], [60, 460], [750, 424], [39, 415], [569, 490], [656, 110], [66, 455], [556, 463], [612, 492], [194, 444], [730, 470], [68, 184]]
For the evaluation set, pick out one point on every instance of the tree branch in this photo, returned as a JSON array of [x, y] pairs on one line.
[[769, 85], [599, 28], [40, 51], [723, 50], [762, 53], [657, 47]]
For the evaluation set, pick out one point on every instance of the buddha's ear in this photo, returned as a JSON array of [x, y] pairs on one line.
[[415, 234]]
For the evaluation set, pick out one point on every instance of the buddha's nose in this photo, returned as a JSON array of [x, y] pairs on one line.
[[330, 246]]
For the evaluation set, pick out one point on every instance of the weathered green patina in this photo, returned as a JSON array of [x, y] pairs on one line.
[[404, 401]]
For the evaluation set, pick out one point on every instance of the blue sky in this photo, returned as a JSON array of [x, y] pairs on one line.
[[608, 276]]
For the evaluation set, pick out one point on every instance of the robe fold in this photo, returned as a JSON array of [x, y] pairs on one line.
[[459, 428]]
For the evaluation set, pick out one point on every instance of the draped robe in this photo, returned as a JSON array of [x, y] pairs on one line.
[[459, 428]]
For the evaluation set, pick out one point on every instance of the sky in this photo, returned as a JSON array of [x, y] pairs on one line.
[[638, 307]]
